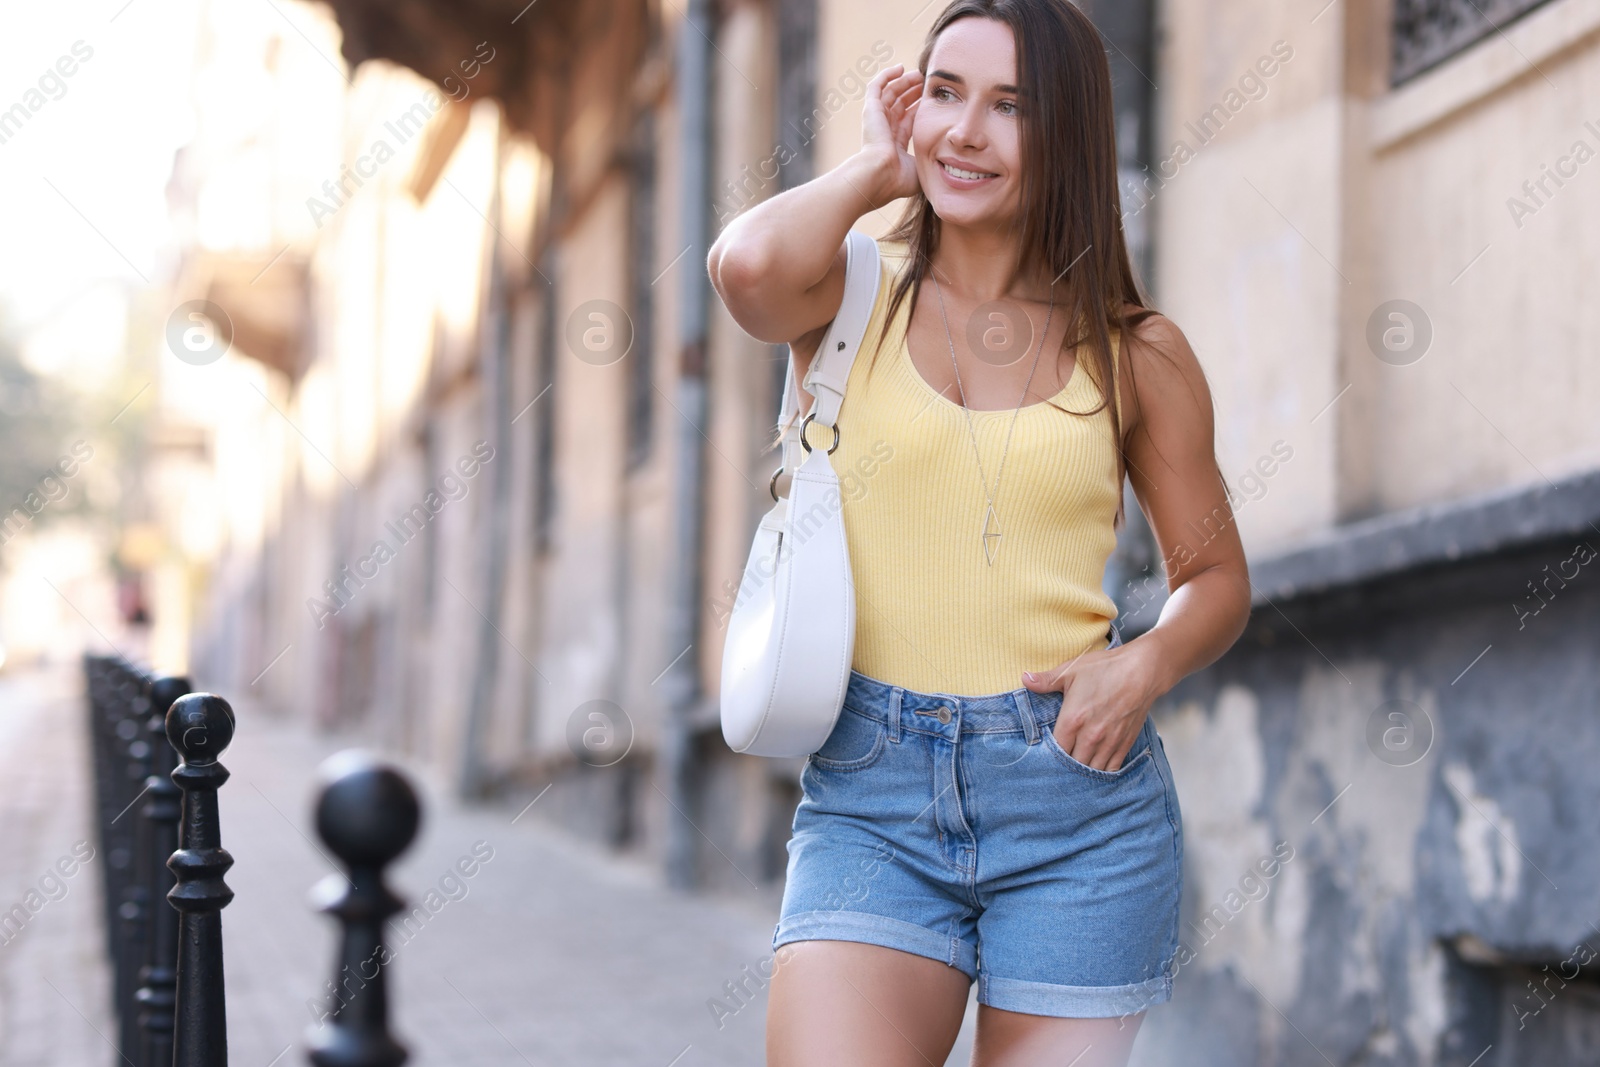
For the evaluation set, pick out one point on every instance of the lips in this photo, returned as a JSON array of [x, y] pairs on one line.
[[964, 176]]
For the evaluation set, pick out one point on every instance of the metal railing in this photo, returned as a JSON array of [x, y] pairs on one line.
[[1428, 32], [156, 748]]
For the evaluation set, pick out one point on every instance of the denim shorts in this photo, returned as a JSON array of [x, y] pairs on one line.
[[957, 828]]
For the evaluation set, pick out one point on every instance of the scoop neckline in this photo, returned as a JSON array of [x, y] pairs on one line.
[[922, 383]]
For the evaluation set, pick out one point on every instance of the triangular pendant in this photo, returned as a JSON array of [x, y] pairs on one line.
[[991, 535]]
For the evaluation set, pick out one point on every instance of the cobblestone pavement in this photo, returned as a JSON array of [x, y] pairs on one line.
[[552, 952]]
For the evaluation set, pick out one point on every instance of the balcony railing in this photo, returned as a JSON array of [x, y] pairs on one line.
[[1428, 32]]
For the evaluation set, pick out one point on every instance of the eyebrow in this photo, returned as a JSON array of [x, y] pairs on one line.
[[959, 80]]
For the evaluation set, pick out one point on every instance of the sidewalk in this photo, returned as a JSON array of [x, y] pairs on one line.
[[54, 983], [551, 953]]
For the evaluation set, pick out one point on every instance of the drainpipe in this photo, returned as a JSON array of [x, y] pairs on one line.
[[494, 359], [681, 683]]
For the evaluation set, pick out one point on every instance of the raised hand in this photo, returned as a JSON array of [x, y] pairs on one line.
[[886, 119]]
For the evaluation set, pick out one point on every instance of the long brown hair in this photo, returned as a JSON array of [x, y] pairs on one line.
[[1070, 215]]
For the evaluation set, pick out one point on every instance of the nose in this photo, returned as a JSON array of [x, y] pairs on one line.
[[967, 132]]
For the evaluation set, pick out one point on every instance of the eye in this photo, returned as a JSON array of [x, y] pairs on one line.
[[1012, 104], [940, 89]]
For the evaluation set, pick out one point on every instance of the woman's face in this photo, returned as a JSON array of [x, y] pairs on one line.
[[968, 118]]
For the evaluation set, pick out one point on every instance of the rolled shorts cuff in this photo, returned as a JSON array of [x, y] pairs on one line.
[[883, 930], [1073, 1001]]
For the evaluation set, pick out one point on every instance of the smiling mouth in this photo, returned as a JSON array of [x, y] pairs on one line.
[[968, 175]]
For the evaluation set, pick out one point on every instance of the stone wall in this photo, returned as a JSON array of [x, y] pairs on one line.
[[1411, 718]]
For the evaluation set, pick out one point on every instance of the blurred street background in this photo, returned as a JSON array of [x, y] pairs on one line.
[[359, 360]]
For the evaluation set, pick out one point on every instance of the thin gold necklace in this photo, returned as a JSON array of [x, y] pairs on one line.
[[990, 537]]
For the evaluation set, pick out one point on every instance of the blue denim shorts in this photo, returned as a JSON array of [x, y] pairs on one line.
[[957, 828]]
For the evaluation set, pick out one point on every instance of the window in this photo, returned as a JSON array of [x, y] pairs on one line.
[[1428, 32]]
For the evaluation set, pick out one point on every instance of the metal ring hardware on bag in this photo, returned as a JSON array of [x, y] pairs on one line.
[[791, 631], [807, 444]]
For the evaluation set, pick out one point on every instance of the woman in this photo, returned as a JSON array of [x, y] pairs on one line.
[[994, 804]]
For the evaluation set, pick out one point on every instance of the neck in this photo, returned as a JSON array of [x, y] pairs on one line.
[[984, 264]]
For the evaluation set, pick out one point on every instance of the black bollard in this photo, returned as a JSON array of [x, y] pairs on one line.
[[163, 807], [124, 728], [368, 814], [115, 690], [133, 909], [99, 672], [200, 726], [110, 710]]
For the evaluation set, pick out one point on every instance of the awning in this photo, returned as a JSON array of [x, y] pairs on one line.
[[513, 51]]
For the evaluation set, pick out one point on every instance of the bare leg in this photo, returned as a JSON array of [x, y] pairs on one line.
[[1012, 1039], [848, 1004]]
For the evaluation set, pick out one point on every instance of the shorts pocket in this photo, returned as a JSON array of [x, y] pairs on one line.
[[855, 744], [1137, 759]]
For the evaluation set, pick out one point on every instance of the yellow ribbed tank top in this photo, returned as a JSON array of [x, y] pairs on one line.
[[931, 614]]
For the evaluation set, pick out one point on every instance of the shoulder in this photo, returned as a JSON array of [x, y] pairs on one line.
[[893, 257], [1156, 335], [1164, 369]]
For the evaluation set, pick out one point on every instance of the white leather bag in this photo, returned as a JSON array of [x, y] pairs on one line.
[[792, 631]]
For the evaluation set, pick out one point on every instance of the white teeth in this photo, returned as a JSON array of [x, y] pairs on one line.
[[959, 173]]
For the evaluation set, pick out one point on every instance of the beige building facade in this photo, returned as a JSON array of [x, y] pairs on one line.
[[485, 453]]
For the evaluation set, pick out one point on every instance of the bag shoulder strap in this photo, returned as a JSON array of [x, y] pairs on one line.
[[836, 354]]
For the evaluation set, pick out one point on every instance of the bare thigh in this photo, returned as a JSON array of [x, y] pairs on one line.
[[849, 1004], [1012, 1039]]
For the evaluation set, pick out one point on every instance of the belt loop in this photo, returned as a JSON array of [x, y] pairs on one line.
[[1030, 725], [895, 694]]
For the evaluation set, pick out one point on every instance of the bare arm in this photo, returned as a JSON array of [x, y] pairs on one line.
[[779, 266], [1172, 468], [1107, 693]]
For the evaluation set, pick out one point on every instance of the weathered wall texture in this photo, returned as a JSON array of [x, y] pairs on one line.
[[1411, 714], [1422, 746]]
